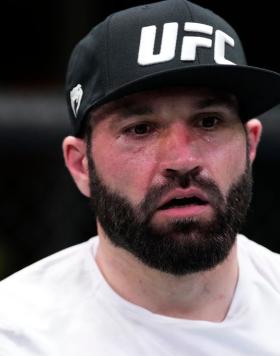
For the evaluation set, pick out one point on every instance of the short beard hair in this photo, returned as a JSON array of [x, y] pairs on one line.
[[184, 246]]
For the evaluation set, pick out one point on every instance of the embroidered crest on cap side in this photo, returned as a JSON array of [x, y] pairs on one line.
[[76, 95]]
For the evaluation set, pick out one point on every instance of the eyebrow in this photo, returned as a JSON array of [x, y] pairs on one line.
[[124, 108], [135, 109], [229, 102]]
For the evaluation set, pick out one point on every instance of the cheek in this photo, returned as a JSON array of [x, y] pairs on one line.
[[126, 171], [228, 163]]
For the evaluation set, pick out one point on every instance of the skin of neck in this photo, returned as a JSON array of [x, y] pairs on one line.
[[204, 295]]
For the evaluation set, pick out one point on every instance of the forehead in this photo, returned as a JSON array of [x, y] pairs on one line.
[[196, 98]]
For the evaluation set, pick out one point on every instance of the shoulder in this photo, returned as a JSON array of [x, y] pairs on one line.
[[53, 283], [262, 262]]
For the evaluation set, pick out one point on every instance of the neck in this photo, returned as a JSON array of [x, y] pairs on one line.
[[198, 296]]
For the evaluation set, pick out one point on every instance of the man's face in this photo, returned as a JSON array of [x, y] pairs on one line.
[[170, 178]]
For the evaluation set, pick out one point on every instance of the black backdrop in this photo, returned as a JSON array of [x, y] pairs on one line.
[[41, 211]]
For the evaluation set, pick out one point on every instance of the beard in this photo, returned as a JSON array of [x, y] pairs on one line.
[[180, 246]]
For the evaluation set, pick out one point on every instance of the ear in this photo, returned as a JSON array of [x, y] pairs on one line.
[[74, 151], [254, 130]]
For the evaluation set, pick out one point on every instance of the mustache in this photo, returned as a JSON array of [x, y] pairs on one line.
[[191, 178]]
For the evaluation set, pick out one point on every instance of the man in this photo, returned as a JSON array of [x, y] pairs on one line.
[[163, 106]]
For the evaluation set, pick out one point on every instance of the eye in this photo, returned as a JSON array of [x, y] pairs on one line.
[[140, 129], [209, 122]]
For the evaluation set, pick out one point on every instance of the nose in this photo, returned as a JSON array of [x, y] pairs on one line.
[[180, 152]]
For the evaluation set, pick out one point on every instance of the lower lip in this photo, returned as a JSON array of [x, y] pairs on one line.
[[184, 211]]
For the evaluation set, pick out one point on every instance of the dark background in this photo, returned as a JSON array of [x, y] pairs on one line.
[[41, 211]]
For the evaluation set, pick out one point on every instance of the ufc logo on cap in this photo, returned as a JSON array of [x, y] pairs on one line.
[[146, 54]]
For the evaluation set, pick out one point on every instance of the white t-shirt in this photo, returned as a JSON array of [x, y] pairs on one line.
[[62, 306]]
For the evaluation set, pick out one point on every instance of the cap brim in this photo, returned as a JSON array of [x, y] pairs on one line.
[[257, 90]]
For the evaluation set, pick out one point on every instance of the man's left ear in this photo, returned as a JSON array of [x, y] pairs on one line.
[[254, 131]]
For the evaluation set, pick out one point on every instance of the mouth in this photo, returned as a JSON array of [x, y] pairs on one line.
[[183, 202], [184, 205]]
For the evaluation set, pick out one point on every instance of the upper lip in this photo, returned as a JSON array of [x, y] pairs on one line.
[[192, 192]]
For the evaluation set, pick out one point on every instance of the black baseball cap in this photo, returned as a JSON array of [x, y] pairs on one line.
[[167, 43]]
